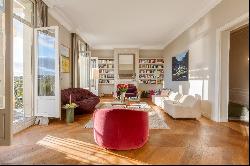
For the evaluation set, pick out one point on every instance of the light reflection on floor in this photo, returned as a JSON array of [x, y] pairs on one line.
[[84, 152]]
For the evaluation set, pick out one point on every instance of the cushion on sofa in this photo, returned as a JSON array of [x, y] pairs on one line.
[[187, 100], [165, 92], [174, 96]]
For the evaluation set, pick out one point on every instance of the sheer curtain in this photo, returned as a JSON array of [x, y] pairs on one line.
[[76, 49]]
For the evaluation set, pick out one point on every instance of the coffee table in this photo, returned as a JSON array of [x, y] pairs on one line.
[[130, 104]]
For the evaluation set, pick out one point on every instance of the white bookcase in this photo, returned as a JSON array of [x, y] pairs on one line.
[[151, 71], [106, 70]]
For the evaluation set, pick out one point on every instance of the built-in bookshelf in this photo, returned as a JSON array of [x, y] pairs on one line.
[[151, 70], [106, 70]]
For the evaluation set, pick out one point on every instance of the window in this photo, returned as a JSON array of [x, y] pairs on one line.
[[22, 56]]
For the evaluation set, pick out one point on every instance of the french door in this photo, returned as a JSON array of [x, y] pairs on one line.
[[23, 33], [84, 67], [47, 82], [94, 75]]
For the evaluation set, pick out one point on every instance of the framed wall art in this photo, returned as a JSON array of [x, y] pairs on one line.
[[180, 68]]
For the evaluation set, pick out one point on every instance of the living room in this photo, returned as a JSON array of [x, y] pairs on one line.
[[128, 82]]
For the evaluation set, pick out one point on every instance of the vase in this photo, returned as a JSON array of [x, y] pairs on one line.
[[123, 96], [70, 115]]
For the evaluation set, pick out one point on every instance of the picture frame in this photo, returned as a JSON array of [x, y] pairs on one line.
[[65, 59], [180, 67]]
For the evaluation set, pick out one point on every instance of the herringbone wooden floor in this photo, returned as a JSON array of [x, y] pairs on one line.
[[186, 142]]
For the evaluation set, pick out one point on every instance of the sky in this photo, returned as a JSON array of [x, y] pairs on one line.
[[46, 51]]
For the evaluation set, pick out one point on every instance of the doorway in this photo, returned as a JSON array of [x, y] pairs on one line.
[[222, 66], [23, 27], [238, 106]]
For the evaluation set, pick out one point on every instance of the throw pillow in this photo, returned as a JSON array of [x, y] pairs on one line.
[[187, 100], [164, 92], [174, 96]]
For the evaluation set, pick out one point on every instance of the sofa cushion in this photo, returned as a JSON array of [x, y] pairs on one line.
[[131, 89], [174, 96], [187, 100], [165, 92]]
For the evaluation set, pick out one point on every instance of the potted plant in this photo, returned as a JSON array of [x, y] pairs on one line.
[[122, 88], [70, 109]]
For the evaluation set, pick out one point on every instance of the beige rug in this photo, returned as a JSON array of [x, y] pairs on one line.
[[155, 120]]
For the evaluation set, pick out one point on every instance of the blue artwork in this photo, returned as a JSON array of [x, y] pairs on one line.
[[180, 67]]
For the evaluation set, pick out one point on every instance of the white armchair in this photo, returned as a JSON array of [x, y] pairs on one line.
[[187, 107]]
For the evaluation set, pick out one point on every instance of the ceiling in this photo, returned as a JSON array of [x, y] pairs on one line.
[[145, 24]]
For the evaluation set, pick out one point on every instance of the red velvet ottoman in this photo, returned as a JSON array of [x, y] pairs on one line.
[[120, 129]]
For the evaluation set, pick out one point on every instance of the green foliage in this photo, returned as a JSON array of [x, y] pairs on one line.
[[70, 106], [18, 92]]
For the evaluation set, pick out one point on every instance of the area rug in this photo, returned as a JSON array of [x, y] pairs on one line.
[[155, 120]]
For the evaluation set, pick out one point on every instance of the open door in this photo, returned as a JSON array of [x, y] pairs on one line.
[[5, 72], [94, 75], [47, 79], [85, 57]]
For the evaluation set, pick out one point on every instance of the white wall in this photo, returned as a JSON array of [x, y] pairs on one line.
[[200, 40], [65, 39]]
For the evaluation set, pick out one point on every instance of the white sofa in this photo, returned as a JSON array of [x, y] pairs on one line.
[[187, 107], [159, 99]]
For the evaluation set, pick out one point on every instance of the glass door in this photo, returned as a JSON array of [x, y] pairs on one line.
[[85, 70], [47, 83], [23, 28], [94, 75]]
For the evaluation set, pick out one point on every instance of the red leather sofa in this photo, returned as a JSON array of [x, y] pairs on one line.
[[120, 129], [85, 100]]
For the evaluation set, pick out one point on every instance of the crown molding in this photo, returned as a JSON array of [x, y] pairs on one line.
[[65, 21], [56, 13], [110, 47], [177, 32]]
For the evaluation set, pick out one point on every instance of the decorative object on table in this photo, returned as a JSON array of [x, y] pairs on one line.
[[131, 91], [180, 67], [70, 109], [65, 61], [122, 88]]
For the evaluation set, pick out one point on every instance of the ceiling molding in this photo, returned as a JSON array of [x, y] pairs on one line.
[[59, 16], [108, 47], [67, 23], [177, 33]]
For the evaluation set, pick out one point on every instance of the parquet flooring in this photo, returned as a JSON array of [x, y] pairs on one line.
[[186, 142]]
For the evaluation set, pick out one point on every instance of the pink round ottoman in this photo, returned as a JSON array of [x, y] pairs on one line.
[[120, 129]]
